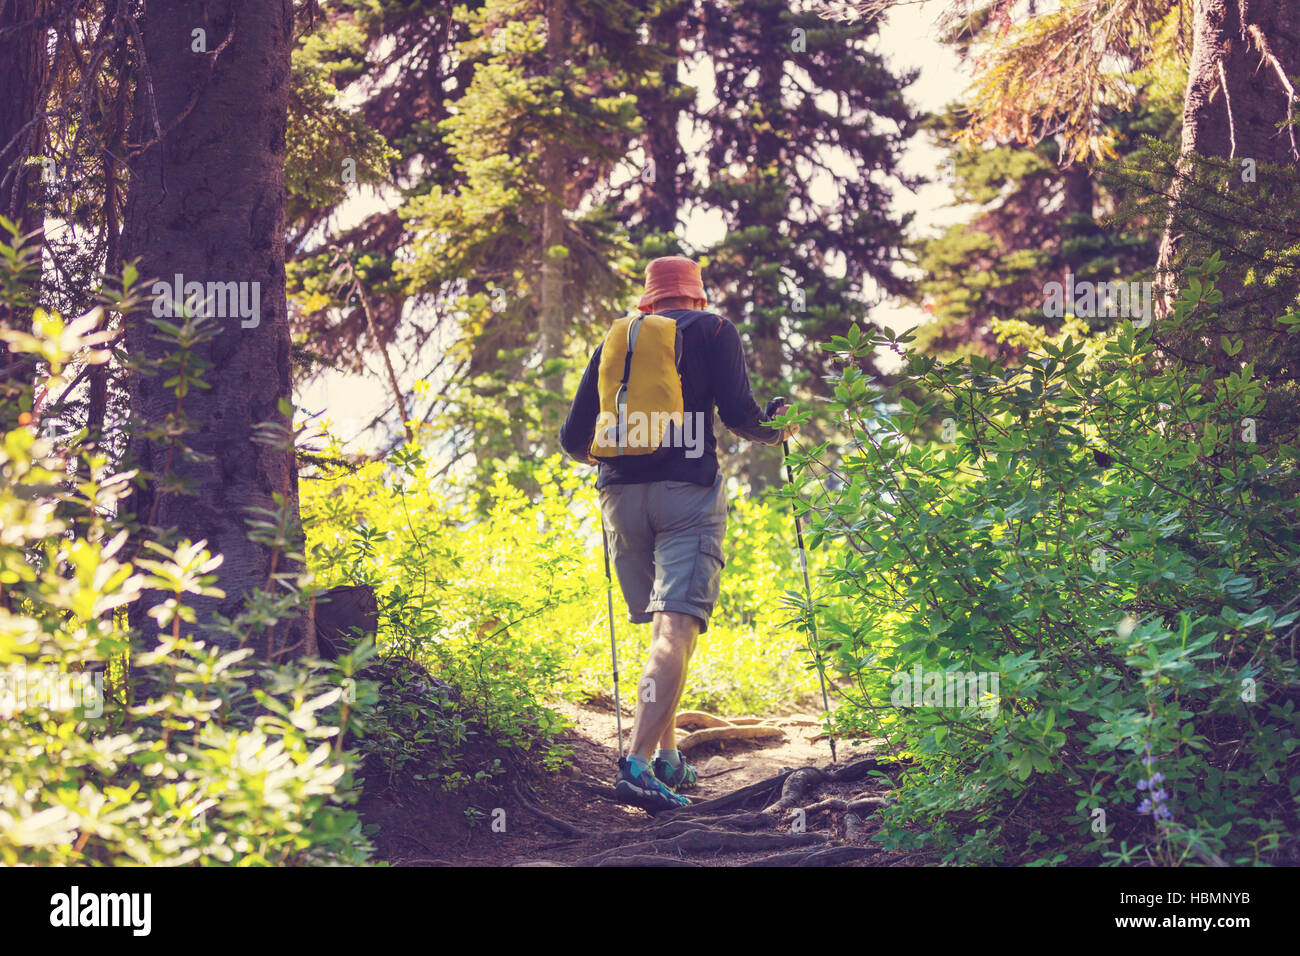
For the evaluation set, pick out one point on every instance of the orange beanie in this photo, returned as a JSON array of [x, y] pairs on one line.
[[671, 277]]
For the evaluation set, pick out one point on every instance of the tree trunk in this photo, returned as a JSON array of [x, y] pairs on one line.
[[208, 204], [662, 109], [1240, 90], [550, 341], [768, 357], [1240, 97], [1256, 42], [24, 65], [114, 135]]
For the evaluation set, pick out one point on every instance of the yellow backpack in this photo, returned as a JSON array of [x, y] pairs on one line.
[[640, 387]]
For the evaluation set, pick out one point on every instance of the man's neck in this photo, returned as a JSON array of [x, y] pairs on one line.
[[667, 305]]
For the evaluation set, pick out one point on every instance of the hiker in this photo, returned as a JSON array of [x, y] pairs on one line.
[[664, 508]]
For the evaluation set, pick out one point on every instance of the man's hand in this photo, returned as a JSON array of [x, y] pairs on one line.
[[779, 406], [792, 430]]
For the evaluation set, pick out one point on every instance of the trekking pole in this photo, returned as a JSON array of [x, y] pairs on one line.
[[613, 646], [772, 406]]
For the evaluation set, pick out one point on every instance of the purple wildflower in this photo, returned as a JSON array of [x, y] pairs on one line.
[[1156, 804]]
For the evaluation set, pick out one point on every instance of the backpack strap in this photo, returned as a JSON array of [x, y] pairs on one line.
[[620, 399]]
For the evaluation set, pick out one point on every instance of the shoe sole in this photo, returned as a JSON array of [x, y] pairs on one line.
[[629, 793]]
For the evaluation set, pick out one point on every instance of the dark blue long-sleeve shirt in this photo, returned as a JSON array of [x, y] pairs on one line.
[[713, 374]]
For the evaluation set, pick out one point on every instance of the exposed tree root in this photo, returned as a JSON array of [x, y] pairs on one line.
[[604, 792], [707, 840], [737, 821], [795, 786], [646, 859], [827, 856], [699, 719], [859, 804], [852, 826], [567, 829], [754, 820], [855, 770], [755, 796]]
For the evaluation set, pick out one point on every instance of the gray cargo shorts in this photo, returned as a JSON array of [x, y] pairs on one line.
[[665, 541]]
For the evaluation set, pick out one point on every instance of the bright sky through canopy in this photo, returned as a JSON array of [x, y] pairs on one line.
[[908, 40]]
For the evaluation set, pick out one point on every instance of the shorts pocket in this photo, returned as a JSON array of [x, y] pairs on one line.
[[707, 576]]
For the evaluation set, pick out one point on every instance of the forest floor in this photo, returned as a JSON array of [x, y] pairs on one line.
[[772, 799]]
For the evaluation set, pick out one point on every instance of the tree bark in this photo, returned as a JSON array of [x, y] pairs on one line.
[[550, 341], [24, 67], [208, 203], [662, 109], [1240, 92], [1255, 41], [767, 331]]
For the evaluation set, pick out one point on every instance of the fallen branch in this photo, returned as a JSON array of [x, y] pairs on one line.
[[696, 719], [711, 735]]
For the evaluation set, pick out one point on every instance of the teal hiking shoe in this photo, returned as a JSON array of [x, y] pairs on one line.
[[680, 777], [643, 789]]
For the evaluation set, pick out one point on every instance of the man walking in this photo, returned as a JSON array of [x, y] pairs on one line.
[[666, 516]]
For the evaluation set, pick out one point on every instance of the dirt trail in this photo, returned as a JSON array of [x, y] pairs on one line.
[[777, 801]]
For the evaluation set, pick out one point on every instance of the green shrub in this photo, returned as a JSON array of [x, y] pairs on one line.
[[1111, 534], [509, 605], [141, 747]]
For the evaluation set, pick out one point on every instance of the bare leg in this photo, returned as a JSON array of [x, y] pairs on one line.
[[662, 681], [669, 740]]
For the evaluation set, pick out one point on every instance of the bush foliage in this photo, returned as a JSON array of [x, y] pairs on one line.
[[1112, 535], [1105, 536], [123, 745]]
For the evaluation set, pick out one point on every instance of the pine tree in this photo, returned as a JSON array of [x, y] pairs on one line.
[[395, 58], [525, 238], [654, 209], [1036, 221], [803, 146], [1229, 191]]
